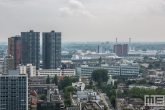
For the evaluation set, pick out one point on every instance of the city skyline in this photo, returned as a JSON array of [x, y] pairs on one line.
[[85, 20]]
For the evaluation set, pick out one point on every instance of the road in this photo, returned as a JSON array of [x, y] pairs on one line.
[[105, 99]]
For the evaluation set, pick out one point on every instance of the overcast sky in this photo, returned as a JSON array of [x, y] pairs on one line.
[[85, 20]]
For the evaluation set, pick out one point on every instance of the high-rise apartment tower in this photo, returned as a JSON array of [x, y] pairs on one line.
[[14, 49], [121, 49], [30, 48], [51, 50]]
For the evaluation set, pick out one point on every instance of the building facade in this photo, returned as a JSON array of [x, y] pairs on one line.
[[58, 72], [51, 50], [8, 64], [28, 69], [85, 70], [1, 65], [14, 49], [121, 50], [30, 48], [14, 92]]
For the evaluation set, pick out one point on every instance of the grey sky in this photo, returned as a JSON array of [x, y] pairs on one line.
[[85, 20]]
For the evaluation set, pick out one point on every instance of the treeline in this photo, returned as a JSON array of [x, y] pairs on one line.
[[136, 92], [66, 85]]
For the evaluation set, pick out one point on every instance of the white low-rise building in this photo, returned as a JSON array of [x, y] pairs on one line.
[[79, 85], [84, 96], [58, 72], [27, 69], [142, 86]]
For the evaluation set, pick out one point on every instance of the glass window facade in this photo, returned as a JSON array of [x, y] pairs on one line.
[[13, 92]]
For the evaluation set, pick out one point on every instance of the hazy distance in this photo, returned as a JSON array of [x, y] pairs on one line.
[[86, 20]]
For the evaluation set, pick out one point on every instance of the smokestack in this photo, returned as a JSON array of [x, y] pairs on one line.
[[116, 40], [129, 44], [129, 41]]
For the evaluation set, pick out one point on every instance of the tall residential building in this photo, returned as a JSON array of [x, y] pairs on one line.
[[121, 50], [99, 49], [51, 50], [14, 92], [8, 64], [1, 65], [30, 48], [14, 49]]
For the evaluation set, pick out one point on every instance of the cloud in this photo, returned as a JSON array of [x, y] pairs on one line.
[[65, 11], [75, 8], [75, 4]]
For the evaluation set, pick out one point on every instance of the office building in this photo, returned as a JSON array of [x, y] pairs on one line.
[[14, 49], [30, 48], [51, 50], [14, 92], [8, 64], [123, 69], [58, 72], [121, 50]]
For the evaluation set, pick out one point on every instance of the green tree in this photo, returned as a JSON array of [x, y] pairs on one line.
[[160, 91], [129, 82], [66, 95], [125, 92], [100, 75], [113, 100], [105, 107], [70, 89], [111, 92], [91, 83], [150, 83], [145, 57], [43, 96], [87, 86], [74, 79], [55, 80], [67, 92], [142, 81], [103, 86], [48, 80], [67, 102], [119, 92], [150, 66], [65, 82], [31, 108]]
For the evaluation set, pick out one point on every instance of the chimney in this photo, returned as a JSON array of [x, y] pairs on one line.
[[129, 44], [116, 40]]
